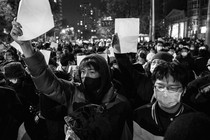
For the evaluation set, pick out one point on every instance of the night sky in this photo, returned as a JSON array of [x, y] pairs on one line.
[[70, 9]]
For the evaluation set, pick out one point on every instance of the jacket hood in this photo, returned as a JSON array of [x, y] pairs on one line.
[[104, 72]]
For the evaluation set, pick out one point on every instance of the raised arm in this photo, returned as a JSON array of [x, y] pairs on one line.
[[43, 77], [26, 46]]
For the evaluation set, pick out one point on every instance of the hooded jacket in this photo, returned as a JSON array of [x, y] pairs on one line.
[[139, 87], [109, 124]]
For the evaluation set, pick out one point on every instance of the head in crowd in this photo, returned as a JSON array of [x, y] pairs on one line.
[[67, 59], [59, 52], [159, 45], [141, 56], [170, 81], [159, 58], [14, 72], [95, 77], [203, 51], [172, 51], [193, 50], [67, 48], [185, 50], [191, 126], [151, 53], [11, 54]]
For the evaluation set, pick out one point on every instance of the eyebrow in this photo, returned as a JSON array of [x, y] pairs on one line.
[[168, 84]]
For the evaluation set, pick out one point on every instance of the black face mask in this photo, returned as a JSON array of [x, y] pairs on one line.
[[92, 84]]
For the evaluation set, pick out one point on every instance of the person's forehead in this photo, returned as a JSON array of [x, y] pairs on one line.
[[169, 80], [89, 67], [158, 60]]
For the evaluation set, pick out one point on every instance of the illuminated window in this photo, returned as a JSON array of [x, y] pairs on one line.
[[181, 30], [175, 29], [203, 29]]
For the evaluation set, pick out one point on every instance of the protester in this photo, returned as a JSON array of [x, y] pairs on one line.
[[185, 58], [198, 94], [95, 109], [140, 60], [21, 82], [190, 126], [11, 115], [201, 60], [152, 120], [159, 46], [137, 85], [157, 59]]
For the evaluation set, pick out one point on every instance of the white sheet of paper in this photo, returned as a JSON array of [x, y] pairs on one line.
[[79, 58], [104, 55], [46, 54], [16, 46], [128, 32], [36, 18]]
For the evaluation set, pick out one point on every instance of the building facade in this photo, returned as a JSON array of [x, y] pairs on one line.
[[86, 26], [177, 23], [190, 22]]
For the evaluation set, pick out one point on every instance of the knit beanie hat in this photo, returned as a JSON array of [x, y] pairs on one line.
[[14, 70], [163, 56]]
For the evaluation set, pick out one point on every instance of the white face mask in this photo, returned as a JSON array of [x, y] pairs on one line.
[[184, 54], [167, 99]]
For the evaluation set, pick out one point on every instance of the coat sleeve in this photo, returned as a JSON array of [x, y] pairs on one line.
[[46, 81], [138, 86]]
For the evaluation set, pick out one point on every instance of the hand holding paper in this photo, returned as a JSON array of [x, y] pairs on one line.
[[25, 46], [128, 32], [36, 18]]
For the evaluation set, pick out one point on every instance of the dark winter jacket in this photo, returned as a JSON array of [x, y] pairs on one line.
[[150, 121], [198, 94], [116, 110], [11, 114], [139, 87]]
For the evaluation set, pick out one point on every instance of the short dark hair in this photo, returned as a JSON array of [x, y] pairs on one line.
[[175, 69], [88, 62]]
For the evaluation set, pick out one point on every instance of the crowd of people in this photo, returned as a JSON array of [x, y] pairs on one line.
[[145, 95]]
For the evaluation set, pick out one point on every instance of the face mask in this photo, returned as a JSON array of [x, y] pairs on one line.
[[166, 99], [184, 54], [92, 84], [159, 48]]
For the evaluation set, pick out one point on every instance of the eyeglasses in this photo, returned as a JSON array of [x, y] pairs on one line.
[[170, 89]]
